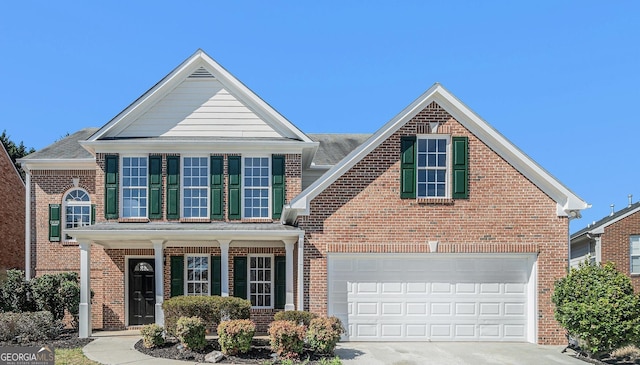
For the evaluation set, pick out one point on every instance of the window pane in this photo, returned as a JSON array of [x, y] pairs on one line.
[[635, 265]]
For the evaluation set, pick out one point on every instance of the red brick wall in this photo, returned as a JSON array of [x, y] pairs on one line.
[[362, 212], [12, 192], [615, 245]]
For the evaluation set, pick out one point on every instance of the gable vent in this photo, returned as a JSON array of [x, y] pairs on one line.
[[201, 73]]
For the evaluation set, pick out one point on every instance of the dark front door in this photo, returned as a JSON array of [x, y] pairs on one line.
[[142, 292]]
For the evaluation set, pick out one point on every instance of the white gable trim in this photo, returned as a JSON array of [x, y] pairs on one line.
[[566, 200], [600, 229], [199, 60]]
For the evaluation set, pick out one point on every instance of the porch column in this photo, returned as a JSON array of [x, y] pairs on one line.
[[301, 272], [85, 290], [288, 246], [158, 253], [224, 267]]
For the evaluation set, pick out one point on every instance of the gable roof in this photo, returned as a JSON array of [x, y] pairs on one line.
[[599, 226], [65, 153], [567, 201]]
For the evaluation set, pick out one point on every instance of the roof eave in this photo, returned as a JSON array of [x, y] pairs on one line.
[[58, 164]]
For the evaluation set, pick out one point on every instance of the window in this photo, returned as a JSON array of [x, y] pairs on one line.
[[195, 183], [432, 166], [256, 187], [635, 254], [197, 270], [134, 187], [77, 208], [261, 281]]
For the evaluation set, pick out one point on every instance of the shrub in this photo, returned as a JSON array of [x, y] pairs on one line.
[[596, 304], [324, 333], [191, 333], [208, 308], [28, 326], [235, 336], [152, 335], [57, 292], [299, 317], [15, 293], [287, 338]]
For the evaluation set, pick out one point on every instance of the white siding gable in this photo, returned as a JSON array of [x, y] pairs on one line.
[[199, 107]]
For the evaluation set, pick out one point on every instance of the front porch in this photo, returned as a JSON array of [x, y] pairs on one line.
[[209, 256]]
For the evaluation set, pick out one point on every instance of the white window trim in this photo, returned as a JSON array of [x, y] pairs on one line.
[[273, 272], [186, 273], [269, 178], [64, 211], [121, 186], [631, 256], [207, 187], [448, 171]]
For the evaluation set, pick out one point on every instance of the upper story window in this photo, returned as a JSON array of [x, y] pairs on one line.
[[77, 208], [256, 187], [433, 166], [134, 187], [195, 187], [634, 253]]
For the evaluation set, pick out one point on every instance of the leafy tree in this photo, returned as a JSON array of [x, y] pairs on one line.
[[596, 304], [15, 151]]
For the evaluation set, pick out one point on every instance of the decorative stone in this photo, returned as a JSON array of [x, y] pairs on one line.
[[214, 356]]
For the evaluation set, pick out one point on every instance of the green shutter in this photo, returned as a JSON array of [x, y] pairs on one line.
[[235, 187], [460, 168], [54, 222], [280, 284], [408, 167], [155, 187], [93, 214], [240, 277], [217, 187], [111, 187], [177, 275], [173, 187], [216, 275], [277, 185]]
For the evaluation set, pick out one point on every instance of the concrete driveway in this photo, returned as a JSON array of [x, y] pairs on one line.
[[452, 353]]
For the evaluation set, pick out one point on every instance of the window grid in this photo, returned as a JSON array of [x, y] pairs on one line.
[[195, 182], [261, 281], [197, 275], [635, 254], [134, 187], [77, 210], [432, 167], [256, 187]]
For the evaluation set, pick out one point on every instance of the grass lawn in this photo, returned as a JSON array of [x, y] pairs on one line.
[[72, 357]]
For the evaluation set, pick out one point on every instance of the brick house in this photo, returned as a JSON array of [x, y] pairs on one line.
[[12, 217], [614, 238], [433, 228]]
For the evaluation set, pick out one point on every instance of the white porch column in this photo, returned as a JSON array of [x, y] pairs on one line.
[[301, 272], [288, 246], [158, 253], [85, 290], [224, 267]]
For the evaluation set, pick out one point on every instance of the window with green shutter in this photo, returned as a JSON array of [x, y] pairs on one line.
[[217, 188], [280, 285], [111, 187], [155, 187], [277, 185], [235, 188], [173, 187], [54, 222], [240, 277], [177, 275]]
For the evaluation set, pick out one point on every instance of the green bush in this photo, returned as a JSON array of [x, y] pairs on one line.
[[299, 317], [28, 326], [287, 338], [235, 336], [596, 304], [324, 333], [15, 293], [208, 308], [152, 335], [191, 333], [56, 293]]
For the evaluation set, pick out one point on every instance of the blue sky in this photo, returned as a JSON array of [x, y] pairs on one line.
[[560, 79]]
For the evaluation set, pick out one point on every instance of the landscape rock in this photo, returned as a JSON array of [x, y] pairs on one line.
[[214, 356]]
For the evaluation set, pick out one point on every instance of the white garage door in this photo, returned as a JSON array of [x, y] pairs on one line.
[[433, 297]]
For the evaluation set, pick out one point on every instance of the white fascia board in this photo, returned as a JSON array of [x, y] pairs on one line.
[[59, 164], [194, 146]]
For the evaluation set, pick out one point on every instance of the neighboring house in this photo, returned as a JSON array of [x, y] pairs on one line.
[[614, 238], [433, 228], [12, 216]]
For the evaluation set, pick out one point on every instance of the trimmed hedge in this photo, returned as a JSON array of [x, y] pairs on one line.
[[152, 335], [287, 338], [28, 326], [298, 317], [211, 309], [324, 333], [191, 333], [235, 336]]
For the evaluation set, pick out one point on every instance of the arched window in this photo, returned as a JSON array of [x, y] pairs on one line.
[[77, 208]]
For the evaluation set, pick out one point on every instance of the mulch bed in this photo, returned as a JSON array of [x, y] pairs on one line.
[[260, 353], [68, 339]]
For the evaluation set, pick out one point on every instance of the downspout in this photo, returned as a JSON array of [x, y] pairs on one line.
[[300, 272], [27, 223]]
